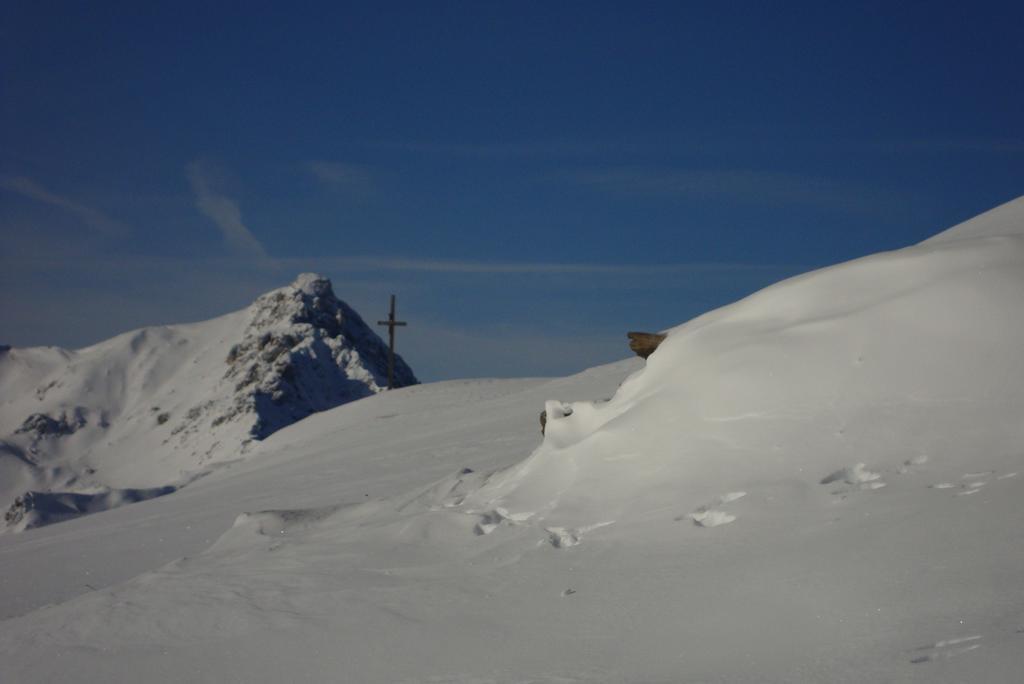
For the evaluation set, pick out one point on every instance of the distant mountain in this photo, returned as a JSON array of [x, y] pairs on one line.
[[145, 412]]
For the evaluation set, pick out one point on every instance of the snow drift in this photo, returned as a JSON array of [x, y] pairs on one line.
[[150, 410], [899, 356]]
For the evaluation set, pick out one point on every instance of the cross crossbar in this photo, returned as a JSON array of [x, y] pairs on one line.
[[391, 323]]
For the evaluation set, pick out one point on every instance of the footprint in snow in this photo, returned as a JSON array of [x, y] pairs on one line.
[[972, 482], [965, 489], [711, 518], [562, 537], [911, 463], [565, 537], [948, 648], [709, 515], [856, 477], [971, 487], [491, 520]]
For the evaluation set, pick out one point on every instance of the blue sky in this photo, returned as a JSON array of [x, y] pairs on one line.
[[531, 179]]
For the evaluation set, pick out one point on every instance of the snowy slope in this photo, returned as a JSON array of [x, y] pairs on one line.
[[821, 482], [896, 357], [150, 410], [392, 442], [1002, 220]]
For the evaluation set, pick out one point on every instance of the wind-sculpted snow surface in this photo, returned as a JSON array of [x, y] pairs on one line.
[[899, 354], [151, 409], [816, 484]]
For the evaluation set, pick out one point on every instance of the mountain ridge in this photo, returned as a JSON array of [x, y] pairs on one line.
[[161, 405]]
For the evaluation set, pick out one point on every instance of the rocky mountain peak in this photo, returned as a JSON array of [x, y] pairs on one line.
[[310, 299], [313, 284], [304, 351]]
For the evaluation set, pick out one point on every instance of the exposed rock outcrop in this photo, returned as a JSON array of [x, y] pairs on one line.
[[644, 344], [40, 425], [303, 351]]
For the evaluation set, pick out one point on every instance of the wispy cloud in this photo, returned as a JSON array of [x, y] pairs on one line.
[[466, 321], [223, 211], [510, 150], [412, 265], [753, 187], [342, 175], [982, 146], [95, 218]]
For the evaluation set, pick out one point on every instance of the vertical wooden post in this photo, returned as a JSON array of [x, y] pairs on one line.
[[391, 323]]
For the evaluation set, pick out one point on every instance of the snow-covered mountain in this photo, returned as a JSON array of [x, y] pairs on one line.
[[819, 483], [141, 414]]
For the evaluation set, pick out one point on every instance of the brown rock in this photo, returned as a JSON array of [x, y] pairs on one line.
[[644, 344]]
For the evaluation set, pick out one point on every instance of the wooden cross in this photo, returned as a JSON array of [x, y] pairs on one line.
[[391, 323]]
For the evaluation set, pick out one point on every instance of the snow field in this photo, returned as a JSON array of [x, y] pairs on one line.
[[717, 517]]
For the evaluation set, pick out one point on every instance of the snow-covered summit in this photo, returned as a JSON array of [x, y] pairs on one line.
[[161, 405], [313, 284]]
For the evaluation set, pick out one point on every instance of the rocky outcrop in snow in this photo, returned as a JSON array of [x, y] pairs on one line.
[[41, 425], [644, 344]]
